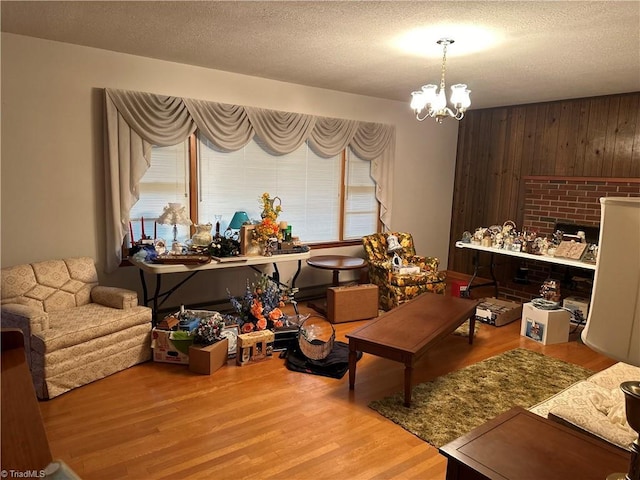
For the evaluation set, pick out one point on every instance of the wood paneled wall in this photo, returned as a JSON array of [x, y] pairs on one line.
[[498, 147]]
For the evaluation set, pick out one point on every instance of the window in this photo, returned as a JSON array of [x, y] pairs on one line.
[[361, 206], [323, 199], [165, 181]]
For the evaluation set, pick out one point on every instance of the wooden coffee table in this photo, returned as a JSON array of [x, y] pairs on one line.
[[407, 332], [520, 445]]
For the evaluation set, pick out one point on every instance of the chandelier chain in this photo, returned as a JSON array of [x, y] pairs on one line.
[[444, 61]]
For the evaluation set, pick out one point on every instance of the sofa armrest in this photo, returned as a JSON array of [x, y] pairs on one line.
[[27, 318], [430, 264], [380, 269], [114, 297]]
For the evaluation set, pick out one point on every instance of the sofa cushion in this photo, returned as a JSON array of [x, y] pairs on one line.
[[68, 282], [16, 281], [51, 285], [85, 323], [613, 376], [600, 413], [404, 280], [595, 406]]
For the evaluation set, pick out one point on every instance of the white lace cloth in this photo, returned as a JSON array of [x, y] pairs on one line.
[[595, 405]]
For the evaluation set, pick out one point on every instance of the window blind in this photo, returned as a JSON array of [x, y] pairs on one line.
[[307, 184], [165, 181]]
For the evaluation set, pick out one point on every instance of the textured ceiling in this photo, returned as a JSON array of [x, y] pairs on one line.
[[542, 51]]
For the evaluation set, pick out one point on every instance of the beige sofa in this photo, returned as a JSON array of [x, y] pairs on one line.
[[75, 331], [595, 406]]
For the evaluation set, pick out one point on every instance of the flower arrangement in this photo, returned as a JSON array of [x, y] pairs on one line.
[[209, 329], [265, 230], [268, 227], [260, 306]]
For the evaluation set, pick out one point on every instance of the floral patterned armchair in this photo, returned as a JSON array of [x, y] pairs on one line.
[[395, 288]]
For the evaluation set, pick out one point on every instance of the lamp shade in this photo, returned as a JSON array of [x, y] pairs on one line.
[[613, 324], [460, 96], [239, 218], [174, 214]]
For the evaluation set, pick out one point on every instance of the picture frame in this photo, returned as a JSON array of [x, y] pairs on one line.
[[571, 249], [247, 247], [535, 330]]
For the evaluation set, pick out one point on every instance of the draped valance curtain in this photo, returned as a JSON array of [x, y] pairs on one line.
[[136, 120]]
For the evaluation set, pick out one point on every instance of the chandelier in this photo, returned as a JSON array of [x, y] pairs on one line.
[[431, 102]]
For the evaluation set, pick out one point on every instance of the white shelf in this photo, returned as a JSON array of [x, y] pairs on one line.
[[538, 258]]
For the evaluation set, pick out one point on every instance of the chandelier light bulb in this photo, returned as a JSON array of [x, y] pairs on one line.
[[418, 101], [432, 102], [440, 102], [460, 96]]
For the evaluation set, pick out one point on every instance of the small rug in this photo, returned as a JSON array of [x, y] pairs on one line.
[[454, 404], [463, 330]]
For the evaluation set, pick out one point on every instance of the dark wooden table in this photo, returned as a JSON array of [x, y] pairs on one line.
[[407, 332], [336, 263], [520, 445]]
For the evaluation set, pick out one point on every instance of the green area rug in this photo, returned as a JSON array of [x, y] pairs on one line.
[[454, 404]]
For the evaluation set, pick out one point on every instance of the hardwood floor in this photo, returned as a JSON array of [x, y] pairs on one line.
[[262, 421]]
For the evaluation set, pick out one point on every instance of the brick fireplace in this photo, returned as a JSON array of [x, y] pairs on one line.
[[573, 201]]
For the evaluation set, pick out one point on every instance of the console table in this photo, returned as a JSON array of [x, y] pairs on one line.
[[158, 297], [528, 256], [520, 445]]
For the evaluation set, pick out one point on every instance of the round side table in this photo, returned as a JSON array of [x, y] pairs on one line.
[[336, 263]]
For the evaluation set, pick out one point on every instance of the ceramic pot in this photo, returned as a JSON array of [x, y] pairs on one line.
[[203, 236]]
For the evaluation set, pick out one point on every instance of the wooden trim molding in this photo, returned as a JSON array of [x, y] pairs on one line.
[[581, 179]]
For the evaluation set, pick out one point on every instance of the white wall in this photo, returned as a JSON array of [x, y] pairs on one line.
[[52, 199]]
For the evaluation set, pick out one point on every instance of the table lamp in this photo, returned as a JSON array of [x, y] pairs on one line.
[[613, 324], [238, 219], [174, 214]]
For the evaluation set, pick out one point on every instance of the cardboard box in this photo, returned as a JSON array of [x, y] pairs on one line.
[[576, 303], [350, 303], [166, 351], [207, 359], [498, 312], [254, 347], [545, 326]]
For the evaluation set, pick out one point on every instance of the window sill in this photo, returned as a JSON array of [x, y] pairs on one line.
[[341, 243]]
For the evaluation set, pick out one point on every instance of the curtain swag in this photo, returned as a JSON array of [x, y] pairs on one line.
[[135, 121]]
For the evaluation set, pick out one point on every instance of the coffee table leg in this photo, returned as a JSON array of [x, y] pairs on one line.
[[408, 375], [352, 364], [472, 328]]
